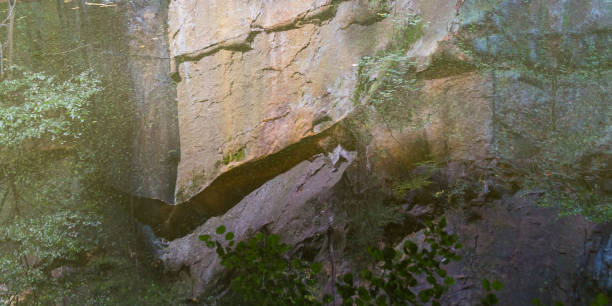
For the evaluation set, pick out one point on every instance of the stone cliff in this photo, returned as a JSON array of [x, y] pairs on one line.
[[281, 113]]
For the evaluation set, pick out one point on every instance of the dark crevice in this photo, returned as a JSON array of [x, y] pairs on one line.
[[173, 221]]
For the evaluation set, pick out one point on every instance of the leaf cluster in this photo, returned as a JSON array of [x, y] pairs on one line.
[[398, 278], [35, 106], [30, 248], [490, 287], [262, 272]]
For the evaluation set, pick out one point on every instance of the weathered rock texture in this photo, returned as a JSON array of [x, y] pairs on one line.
[[264, 86], [155, 147], [532, 252], [290, 205], [259, 76]]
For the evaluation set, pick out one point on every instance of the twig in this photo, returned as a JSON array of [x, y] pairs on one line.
[[72, 50]]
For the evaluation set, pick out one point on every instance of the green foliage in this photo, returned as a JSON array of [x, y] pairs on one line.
[[418, 181], [382, 6], [391, 96], [387, 85], [262, 272], [366, 218], [31, 247], [42, 121], [35, 106], [399, 277], [601, 300], [234, 157], [490, 287]]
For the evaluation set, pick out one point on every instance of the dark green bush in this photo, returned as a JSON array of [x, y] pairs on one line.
[[403, 271], [262, 272]]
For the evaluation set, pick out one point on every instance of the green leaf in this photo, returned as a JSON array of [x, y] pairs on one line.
[[363, 293], [431, 280], [492, 299], [536, 302], [486, 284], [273, 239], [442, 223], [204, 238], [316, 267], [425, 295], [601, 300], [442, 273], [412, 247], [348, 278], [221, 230], [497, 285], [449, 281], [229, 236]]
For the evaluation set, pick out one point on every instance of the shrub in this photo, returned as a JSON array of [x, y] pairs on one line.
[[398, 280], [32, 247], [262, 272]]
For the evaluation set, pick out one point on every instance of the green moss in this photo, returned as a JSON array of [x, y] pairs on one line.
[[234, 157]]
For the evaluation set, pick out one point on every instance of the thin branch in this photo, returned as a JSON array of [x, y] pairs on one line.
[[75, 49], [8, 22]]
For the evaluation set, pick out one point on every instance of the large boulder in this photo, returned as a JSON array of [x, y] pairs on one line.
[[292, 205], [257, 76]]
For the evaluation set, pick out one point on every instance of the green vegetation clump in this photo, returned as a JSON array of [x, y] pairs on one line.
[[490, 287], [409, 274], [387, 84], [261, 271], [366, 219], [37, 106], [31, 248], [418, 181], [55, 208], [234, 157]]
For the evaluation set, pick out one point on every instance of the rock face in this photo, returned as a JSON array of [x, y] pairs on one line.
[[155, 147], [534, 254], [260, 76], [267, 89], [598, 272], [289, 205]]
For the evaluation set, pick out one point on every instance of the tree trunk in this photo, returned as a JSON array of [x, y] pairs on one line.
[[10, 33]]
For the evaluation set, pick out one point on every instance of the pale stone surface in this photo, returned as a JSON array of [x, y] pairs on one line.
[[258, 76], [274, 73], [285, 206]]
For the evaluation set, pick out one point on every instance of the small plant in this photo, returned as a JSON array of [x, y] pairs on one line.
[[366, 218], [601, 300], [262, 272], [490, 288], [416, 182], [234, 157], [396, 279]]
